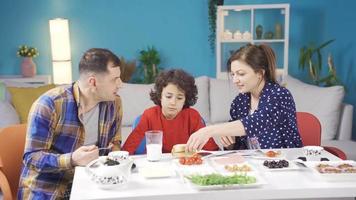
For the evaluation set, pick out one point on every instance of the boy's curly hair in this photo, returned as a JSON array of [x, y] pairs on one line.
[[180, 78]]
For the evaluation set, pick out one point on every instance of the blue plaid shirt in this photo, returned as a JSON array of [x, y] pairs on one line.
[[54, 132]]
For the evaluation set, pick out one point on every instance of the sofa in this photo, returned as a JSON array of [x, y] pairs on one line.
[[215, 96]]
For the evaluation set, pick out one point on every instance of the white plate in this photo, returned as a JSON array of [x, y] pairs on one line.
[[259, 182], [220, 168], [157, 170], [332, 176], [292, 166], [261, 154]]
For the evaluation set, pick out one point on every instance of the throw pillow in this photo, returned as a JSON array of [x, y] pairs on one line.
[[323, 102], [135, 99], [23, 98], [222, 92], [2, 91], [202, 104], [9, 115]]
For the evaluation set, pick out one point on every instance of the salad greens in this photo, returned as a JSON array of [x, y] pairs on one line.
[[217, 179]]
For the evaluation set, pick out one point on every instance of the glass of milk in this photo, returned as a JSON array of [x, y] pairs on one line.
[[154, 145]]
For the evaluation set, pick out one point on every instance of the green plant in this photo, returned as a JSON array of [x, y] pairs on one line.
[[315, 65], [212, 9], [25, 51], [150, 60]]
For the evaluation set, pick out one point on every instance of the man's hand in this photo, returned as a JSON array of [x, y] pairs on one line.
[[84, 155]]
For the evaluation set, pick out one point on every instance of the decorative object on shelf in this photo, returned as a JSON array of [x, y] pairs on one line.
[[259, 31], [227, 35], [246, 35], [213, 4], [150, 60], [127, 69], [268, 35], [278, 31], [237, 35], [315, 65], [28, 67]]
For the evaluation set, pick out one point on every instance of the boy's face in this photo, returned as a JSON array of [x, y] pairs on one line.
[[172, 101]]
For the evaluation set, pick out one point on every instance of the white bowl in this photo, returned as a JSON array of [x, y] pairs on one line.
[[313, 153], [107, 177]]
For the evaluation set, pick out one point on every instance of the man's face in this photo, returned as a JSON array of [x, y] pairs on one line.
[[172, 101], [107, 84]]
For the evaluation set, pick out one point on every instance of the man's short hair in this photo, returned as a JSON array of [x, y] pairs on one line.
[[96, 60]]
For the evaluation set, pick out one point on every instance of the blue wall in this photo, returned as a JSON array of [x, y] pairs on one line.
[[177, 28]]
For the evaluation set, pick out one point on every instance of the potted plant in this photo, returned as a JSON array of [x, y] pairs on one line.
[[213, 4], [311, 58], [150, 60], [28, 67], [127, 69]]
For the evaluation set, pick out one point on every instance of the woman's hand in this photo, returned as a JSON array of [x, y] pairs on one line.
[[198, 139], [227, 141]]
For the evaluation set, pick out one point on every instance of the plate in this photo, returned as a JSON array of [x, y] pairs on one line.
[[291, 166], [259, 182], [157, 170], [262, 154], [342, 176]]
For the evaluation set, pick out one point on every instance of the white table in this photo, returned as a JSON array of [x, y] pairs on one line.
[[280, 185]]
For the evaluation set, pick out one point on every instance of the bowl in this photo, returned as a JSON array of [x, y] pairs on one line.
[[109, 176], [313, 153]]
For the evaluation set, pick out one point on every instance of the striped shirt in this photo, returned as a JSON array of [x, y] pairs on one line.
[[54, 132]]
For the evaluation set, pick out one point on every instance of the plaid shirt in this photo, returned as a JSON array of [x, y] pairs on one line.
[[54, 132]]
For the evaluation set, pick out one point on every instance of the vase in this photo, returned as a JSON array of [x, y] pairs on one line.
[[259, 31], [278, 31], [28, 67]]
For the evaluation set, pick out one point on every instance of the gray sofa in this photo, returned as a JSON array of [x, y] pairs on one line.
[[214, 100], [215, 96]]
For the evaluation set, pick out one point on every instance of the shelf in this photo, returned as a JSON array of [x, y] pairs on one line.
[[254, 41], [273, 18]]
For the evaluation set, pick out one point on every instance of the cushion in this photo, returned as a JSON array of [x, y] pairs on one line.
[[10, 83], [23, 98], [202, 104], [222, 92], [8, 114], [2, 91], [323, 102], [135, 99]]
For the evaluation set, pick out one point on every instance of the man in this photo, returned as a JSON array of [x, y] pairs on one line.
[[67, 125]]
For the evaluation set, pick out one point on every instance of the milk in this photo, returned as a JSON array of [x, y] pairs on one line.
[[154, 152]]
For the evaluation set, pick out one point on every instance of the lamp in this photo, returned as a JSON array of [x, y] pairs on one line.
[[60, 45]]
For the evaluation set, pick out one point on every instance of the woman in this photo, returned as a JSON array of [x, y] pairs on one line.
[[174, 92], [263, 110]]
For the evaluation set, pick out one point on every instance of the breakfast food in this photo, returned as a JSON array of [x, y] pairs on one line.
[[110, 162], [273, 154], [238, 168], [274, 164], [336, 169], [178, 151], [193, 160]]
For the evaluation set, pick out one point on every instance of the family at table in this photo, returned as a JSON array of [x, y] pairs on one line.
[[68, 125]]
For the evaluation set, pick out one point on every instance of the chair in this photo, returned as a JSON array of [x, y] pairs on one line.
[[310, 131], [141, 149], [12, 144]]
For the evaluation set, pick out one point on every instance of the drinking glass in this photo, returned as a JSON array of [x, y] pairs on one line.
[[252, 143], [154, 145]]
